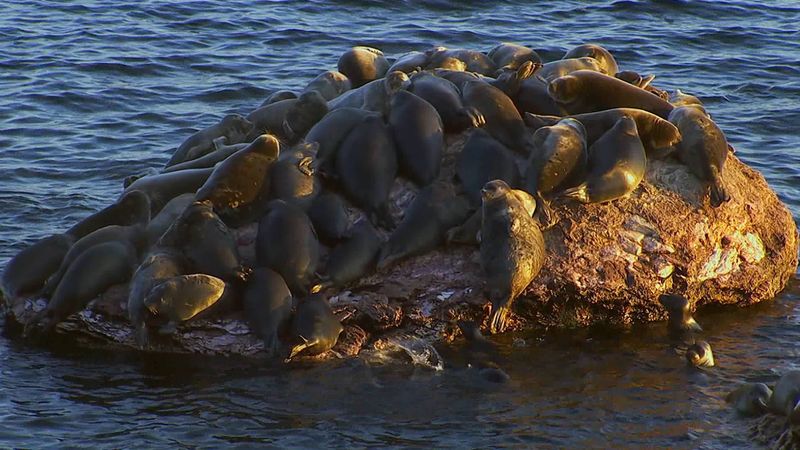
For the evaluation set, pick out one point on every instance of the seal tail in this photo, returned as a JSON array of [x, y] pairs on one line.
[[718, 193]]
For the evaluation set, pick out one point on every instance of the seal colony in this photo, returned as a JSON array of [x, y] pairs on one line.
[[392, 198]]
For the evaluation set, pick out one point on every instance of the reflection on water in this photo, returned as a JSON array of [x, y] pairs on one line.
[[97, 90]]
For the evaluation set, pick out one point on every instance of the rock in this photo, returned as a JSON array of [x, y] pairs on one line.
[[607, 263]]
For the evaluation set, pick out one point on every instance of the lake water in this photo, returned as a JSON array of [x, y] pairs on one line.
[[93, 91]]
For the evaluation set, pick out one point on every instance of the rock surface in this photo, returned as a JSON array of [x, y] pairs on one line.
[[607, 264]]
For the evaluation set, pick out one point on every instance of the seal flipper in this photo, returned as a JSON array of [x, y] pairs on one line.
[[718, 194], [577, 193], [544, 212]]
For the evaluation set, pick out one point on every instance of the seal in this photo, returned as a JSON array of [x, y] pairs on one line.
[[446, 98], [418, 135], [240, 185], [785, 398], [233, 127], [483, 159], [220, 153], [180, 298], [362, 64], [134, 235], [473, 61], [503, 121], [554, 69], [330, 84], [657, 135], [532, 97], [92, 273], [289, 119], [586, 91], [597, 52], [510, 81], [168, 214], [267, 307], [680, 323], [287, 244], [434, 210], [278, 96], [158, 266], [374, 96], [134, 206], [206, 242], [703, 149], [679, 98], [482, 354], [328, 215], [29, 269], [635, 78], [314, 328], [414, 60], [750, 399], [162, 188], [558, 161], [510, 56], [366, 163], [699, 355], [617, 164], [512, 249], [353, 258], [329, 134], [291, 177]]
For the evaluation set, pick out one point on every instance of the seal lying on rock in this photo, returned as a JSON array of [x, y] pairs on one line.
[[443, 95], [512, 249], [233, 127], [511, 56], [158, 266], [418, 135], [315, 328], [374, 96], [606, 59], [785, 398], [29, 269], [362, 65], [330, 84], [353, 258], [180, 298], [267, 306]]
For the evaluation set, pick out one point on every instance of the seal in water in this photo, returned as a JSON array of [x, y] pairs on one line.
[[287, 244], [163, 187], [330, 84], [657, 135], [206, 242], [418, 136], [785, 398], [366, 163], [292, 178], [703, 149], [29, 269], [750, 399], [134, 235], [484, 159], [134, 206], [363, 64], [597, 52], [353, 258], [267, 306], [314, 326], [158, 266], [617, 164], [374, 96], [680, 323], [512, 249], [328, 214], [586, 91], [434, 210], [180, 298], [233, 127], [92, 273], [699, 355], [554, 69], [443, 95], [558, 161], [481, 353], [239, 186], [510, 56], [503, 121]]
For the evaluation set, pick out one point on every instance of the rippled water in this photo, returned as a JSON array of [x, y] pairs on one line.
[[93, 91]]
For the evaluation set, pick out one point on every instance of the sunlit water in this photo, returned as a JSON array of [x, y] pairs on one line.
[[91, 92]]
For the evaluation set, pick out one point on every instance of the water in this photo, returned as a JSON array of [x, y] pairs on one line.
[[93, 91]]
